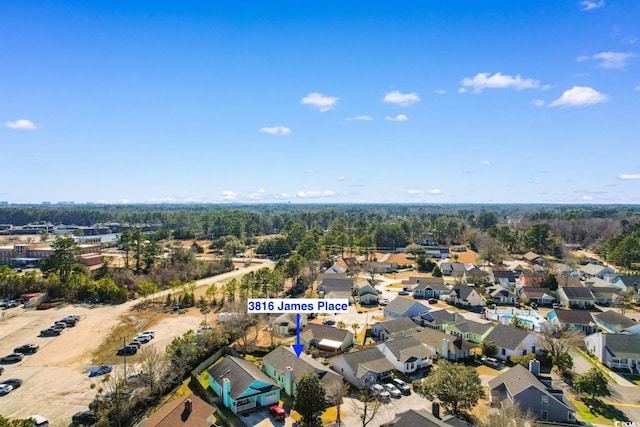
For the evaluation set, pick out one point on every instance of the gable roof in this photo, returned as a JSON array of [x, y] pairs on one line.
[[284, 357], [408, 348], [518, 379], [623, 346], [402, 305], [593, 269], [424, 418], [330, 284], [335, 269], [501, 292], [615, 319], [577, 293], [415, 280], [604, 292], [462, 291], [397, 325], [577, 317], [433, 285], [474, 327], [241, 374], [173, 414], [530, 256], [537, 292], [504, 274], [569, 281], [507, 337], [454, 266], [630, 281], [365, 288], [433, 338], [317, 331], [440, 317], [368, 360]]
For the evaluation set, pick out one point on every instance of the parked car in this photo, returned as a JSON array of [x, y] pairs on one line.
[[432, 300], [12, 358], [402, 386], [39, 421], [393, 390], [69, 322], [73, 317], [100, 370], [4, 389], [554, 305], [176, 307], [50, 332], [13, 382], [44, 306], [12, 304], [1, 370], [150, 332], [491, 362], [86, 418], [61, 324], [384, 301], [27, 349], [403, 293], [143, 338], [277, 413], [126, 351], [329, 322], [379, 391], [203, 330]]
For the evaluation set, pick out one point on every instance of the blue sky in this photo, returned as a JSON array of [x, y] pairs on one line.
[[310, 102]]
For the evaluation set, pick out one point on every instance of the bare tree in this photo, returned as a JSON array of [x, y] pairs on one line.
[[368, 405], [506, 414], [241, 326], [155, 366], [336, 391]]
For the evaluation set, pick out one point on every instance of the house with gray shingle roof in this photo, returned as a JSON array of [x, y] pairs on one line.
[[241, 385], [504, 278], [615, 322], [430, 287], [501, 295], [363, 367], [513, 341], [438, 319], [326, 338], [521, 387], [285, 369], [455, 269], [596, 270], [444, 345], [465, 295], [473, 331], [621, 351], [627, 282], [580, 320], [336, 288], [540, 296], [407, 354], [394, 328], [605, 295], [575, 296], [404, 307], [424, 418]]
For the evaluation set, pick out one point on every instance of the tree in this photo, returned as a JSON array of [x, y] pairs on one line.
[[6, 422], [124, 241], [506, 414], [456, 386], [63, 260], [593, 382], [371, 405], [489, 349], [183, 352], [137, 242], [355, 328], [336, 391], [310, 401], [563, 363], [627, 300], [155, 367], [436, 272], [241, 326], [147, 288], [555, 343], [294, 267], [489, 249], [536, 238]]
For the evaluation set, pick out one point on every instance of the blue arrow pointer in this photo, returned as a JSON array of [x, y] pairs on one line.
[[297, 347]]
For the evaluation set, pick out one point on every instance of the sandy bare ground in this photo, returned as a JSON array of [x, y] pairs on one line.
[[56, 378]]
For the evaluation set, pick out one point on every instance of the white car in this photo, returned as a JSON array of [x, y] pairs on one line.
[[393, 391], [384, 301], [5, 388], [151, 334], [380, 392]]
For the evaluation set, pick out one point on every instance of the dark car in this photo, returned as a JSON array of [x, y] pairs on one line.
[[432, 300], [329, 322], [12, 358], [1, 370], [126, 351], [27, 349], [13, 382], [50, 332], [100, 370], [403, 293], [176, 307], [86, 418], [69, 322]]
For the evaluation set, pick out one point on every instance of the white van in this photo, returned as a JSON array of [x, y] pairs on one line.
[[39, 421]]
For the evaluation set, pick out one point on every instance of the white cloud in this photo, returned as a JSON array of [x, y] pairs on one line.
[[228, 195], [434, 191], [125, 201], [257, 195], [441, 91], [276, 130], [498, 81], [587, 198], [315, 194], [609, 60], [414, 192], [579, 96], [398, 118], [628, 177], [629, 40], [359, 118], [403, 99], [485, 162], [462, 90], [581, 75], [22, 124], [321, 102], [342, 178], [538, 102], [282, 196], [636, 88], [586, 5]]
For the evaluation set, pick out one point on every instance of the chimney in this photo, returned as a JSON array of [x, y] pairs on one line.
[[188, 405], [288, 380], [455, 316], [226, 387], [444, 349], [435, 409], [534, 367]]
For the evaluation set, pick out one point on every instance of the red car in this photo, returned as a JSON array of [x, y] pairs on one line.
[[277, 412], [432, 301]]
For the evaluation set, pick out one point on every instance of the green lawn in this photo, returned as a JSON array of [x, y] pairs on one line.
[[599, 413]]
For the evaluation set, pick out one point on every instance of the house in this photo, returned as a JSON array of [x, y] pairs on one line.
[[436, 252], [455, 269], [472, 274], [438, 319], [367, 294], [580, 297], [394, 328], [335, 269], [285, 324], [430, 287], [529, 278], [540, 296], [363, 367], [501, 296], [532, 258], [513, 341], [627, 282], [336, 288], [444, 345], [424, 418], [504, 278], [404, 307], [380, 267], [523, 388], [465, 295], [570, 281], [26, 254], [407, 354], [609, 295], [189, 411], [580, 320], [596, 270], [620, 351], [475, 332], [616, 323], [241, 385], [326, 338], [285, 368]]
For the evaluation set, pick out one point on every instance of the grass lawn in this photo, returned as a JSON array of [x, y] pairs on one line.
[[328, 417], [599, 413]]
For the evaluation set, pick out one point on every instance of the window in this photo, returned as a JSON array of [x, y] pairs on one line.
[[545, 400], [504, 352], [544, 415]]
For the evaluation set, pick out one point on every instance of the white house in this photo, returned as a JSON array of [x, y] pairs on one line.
[[407, 354], [513, 341]]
